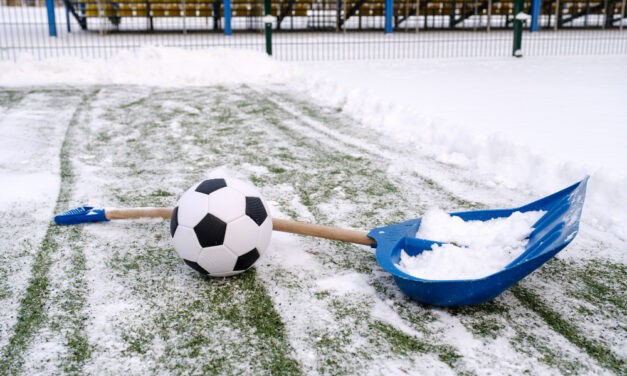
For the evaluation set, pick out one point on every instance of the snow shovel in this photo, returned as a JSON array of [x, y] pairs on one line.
[[552, 232]]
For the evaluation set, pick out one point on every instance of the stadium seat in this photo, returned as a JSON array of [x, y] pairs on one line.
[[173, 10], [91, 10], [125, 10], [141, 10], [256, 11], [157, 10], [205, 10], [239, 10], [300, 10]]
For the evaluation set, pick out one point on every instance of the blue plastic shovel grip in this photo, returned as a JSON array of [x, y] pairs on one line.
[[83, 214]]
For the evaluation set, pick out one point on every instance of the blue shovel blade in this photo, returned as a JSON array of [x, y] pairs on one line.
[[552, 232]]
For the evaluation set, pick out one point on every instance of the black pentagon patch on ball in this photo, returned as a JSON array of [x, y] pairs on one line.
[[196, 267], [211, 185], [246, 260], [210, 231], [174, 221], [255, 210]]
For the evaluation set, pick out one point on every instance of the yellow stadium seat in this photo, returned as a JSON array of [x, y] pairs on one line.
[[173, 10], [190, 10], [205, 10], [157, 10], [141, 10], [125, 10]]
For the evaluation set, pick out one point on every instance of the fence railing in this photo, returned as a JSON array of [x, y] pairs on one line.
[[313, 29]]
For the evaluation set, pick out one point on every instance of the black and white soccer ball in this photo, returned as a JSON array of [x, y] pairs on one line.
[[221, 227]]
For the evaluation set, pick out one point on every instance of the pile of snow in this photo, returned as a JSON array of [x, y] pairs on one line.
[[535, 125], [150, 66], [479, 249]]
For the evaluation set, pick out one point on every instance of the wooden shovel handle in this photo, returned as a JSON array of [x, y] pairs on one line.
[[283, 225], [136, 213], [320, 231]]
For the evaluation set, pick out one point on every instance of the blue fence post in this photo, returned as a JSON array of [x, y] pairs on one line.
[[227, 18], [52, 23], [536, 5], [389, 16]]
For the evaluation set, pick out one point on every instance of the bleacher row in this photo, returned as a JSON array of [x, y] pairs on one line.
[[304, 8]]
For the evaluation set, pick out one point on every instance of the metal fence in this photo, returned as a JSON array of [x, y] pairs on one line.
[[312, 29]]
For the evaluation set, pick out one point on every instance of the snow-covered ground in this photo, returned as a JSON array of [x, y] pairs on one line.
[[534, 124], [355, 144], [560, 107]]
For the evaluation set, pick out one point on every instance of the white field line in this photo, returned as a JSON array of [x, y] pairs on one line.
[[301, 318], [32, 135], [49, 352]]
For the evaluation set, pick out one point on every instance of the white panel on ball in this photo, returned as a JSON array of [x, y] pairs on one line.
[[265, 233], [227, 204], [241, 235], [246, 188], [186, 243], [193, 207], [217, 261]]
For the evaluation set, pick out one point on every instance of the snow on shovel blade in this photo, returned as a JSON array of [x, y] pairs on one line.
[[553, 231]]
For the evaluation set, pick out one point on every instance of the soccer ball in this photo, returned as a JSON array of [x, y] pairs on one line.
[[221, 227]]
